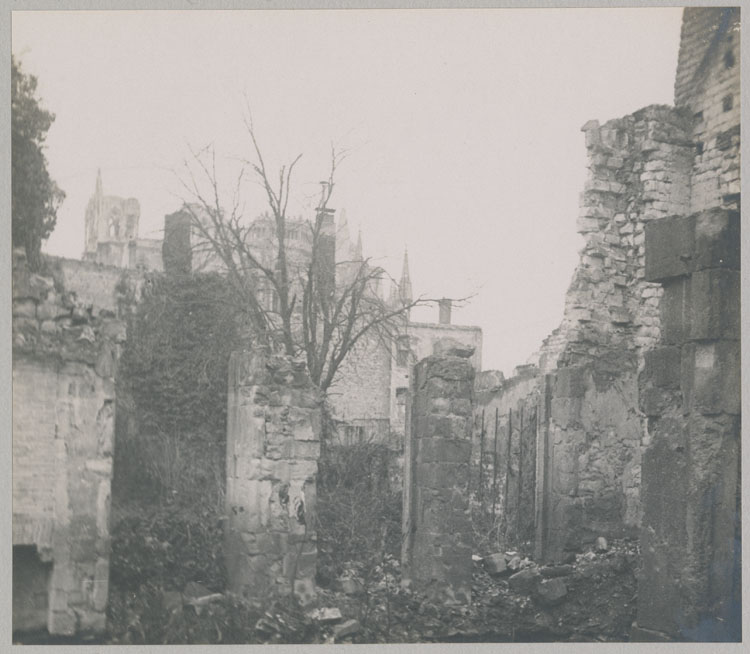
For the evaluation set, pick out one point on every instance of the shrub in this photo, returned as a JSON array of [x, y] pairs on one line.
[[359, 514], [167, 547]]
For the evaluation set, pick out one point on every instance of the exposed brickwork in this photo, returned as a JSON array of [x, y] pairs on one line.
[[273, 446], [436, 555]]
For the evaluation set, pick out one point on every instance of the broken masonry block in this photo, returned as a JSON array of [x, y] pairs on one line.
[[670, 245]]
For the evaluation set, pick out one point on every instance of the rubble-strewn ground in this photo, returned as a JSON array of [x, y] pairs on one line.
[[592, 598], [167, 582]]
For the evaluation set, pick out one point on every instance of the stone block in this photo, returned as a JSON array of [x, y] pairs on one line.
[[447, 426], [495, 563], [62, 623], [551, 571], [670, 247], [442, 475], [655, 401], [711, 377], [443, 450], [524, 581], [715, 304], [662, 367], [346, 629], [675, 311], [550, 592], [717, 240]]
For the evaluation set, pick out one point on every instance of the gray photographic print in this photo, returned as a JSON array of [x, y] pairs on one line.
[[376, 326]]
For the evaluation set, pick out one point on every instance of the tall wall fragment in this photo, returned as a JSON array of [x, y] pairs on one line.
[[690, 386], [273, 447], [436, 553], [690, 391], [65, 351]]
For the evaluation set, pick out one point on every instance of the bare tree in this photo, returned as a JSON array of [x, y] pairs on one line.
[[296, 298]]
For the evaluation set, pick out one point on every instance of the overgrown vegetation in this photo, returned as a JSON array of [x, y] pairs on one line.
[[173, 377], [359, 514], [168, 485]]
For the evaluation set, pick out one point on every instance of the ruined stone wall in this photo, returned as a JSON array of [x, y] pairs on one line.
[[361, 392], [64, 364], [503, 463], [145, 254], [638, 171], [690, 391], [436, 553], [588, 443], [690, 386], [273, 447], [96, 287]]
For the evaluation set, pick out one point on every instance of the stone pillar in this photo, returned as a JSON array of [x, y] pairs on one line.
[[273, 446], [690, 391], [436, 555]]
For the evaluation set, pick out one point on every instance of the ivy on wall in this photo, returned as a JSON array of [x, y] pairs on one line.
[[177, 353]]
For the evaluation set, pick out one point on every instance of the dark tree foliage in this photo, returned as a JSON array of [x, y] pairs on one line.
[[35, 197], [177, 355]]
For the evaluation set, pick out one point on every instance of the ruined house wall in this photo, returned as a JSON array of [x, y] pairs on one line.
[[588, 430], [361, 393], [273, 447], [707, 85], [64, 364], [436, 552], [371, 385], [503, 463]]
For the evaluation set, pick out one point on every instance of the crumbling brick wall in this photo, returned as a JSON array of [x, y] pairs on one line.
[[273, 447], [436, 552], [64, 363]]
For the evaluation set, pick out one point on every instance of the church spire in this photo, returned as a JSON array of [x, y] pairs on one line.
[[358, 247], [98, 193], [404, 287], [343, 241]]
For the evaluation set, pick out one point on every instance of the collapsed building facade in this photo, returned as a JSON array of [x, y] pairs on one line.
[[627, 426]]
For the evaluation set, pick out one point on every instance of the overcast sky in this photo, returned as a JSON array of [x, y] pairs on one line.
[[463, 128]]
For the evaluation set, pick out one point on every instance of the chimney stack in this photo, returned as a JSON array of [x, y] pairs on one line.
[[445, 311]]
